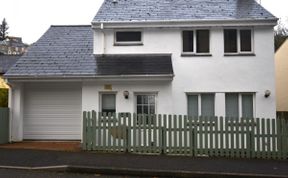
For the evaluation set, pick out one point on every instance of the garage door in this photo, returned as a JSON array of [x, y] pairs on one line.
[[52, 111]]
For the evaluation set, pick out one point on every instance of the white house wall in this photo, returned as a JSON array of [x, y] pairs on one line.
[[218, 74], [92, 89]]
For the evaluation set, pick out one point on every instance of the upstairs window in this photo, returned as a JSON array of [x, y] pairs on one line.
[[196, 41], [128, 37], [238, 41]]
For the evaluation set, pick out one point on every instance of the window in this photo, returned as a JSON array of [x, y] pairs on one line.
[[146, 104], [128, 37], [237, 41], [239, 105], [108, 103], [197, 41], [201, 104]]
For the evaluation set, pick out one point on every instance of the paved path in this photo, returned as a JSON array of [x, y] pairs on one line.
[[176, 166]]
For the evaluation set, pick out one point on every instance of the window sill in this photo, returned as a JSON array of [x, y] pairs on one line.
[[240, 54], [129, 44], [195, 55]]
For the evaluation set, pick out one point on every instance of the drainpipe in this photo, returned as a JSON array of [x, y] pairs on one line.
[[103, 40]]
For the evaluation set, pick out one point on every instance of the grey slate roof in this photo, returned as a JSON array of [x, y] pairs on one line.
[[170, 10], [7, 61], [67, 51], [61, 51], [134, 64]]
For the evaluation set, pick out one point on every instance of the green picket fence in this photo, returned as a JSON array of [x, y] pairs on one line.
[[4, 125], [183, 135]]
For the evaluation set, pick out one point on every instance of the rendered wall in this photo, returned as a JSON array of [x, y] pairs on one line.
[[217, 74]]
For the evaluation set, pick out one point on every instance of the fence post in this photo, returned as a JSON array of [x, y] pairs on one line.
[[84, 132]]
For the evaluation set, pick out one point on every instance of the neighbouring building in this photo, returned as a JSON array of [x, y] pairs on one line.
[[13, 46], [6, 62], [196, 58], [281, 68]]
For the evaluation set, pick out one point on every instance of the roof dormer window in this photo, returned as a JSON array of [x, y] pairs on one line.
[[128, 38]]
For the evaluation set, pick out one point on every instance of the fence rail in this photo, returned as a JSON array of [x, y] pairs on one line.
[[183, 135]]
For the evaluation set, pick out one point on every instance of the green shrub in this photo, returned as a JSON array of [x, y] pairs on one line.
[[3, 97]]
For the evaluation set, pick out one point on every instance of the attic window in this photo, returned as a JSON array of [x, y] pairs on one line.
[[128, 38]]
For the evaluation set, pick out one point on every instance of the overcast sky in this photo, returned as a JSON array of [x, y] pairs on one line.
[[29, 19]]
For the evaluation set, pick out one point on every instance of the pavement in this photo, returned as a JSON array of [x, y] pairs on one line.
[[139, 165]]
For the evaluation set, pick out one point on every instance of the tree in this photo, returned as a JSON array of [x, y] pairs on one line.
[[3, 30], [280, 34]]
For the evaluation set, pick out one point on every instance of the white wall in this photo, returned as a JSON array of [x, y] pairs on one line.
[[92, 89], [16, 112], [217, 74]]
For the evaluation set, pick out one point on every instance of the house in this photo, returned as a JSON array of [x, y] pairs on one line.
[[281, 68], [6, 62], [13, 46], [196, 57]]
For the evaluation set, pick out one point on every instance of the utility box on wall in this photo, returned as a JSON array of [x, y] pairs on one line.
[[4, 125]]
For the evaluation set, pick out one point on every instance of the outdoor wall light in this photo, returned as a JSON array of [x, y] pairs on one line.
[[267, 93], [126, 94]]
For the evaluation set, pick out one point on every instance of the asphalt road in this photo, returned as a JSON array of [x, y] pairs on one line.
[[8, 173]]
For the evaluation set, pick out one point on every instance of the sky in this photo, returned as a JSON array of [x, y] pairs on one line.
[[30, 19]]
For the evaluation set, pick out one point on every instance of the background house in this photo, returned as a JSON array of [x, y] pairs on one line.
[[197, 58], [281, 68], [13, 46]]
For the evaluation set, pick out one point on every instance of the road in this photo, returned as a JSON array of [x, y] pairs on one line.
[[8, 173]]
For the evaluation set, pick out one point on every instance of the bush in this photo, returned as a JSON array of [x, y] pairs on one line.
[[3, 97]]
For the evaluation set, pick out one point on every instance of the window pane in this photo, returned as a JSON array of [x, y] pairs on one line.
[[232, 105], [128, 36], [245, 40], [145, 104], [193, 105], [230, 41], [203, 41], [108, 103], [152, 109], [247, 105], [187, 41], [151, 99], [207, 105], [139, 99], [139, 110]]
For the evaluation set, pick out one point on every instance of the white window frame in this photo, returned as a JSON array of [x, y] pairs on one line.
[[240, 102], [128, 43], [200, 102], [155, 94], [195, 42], [239, 40], [100, 100]]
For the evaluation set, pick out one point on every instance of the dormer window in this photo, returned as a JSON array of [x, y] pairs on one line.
[[196, 42], [128, 38], [238, 41]]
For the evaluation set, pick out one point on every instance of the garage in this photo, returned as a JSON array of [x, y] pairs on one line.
[[52, 111]]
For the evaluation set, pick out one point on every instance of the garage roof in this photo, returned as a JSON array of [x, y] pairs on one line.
[[67, 51]]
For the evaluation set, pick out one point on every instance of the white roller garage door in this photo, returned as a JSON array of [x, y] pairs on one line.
[[52, 111]]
